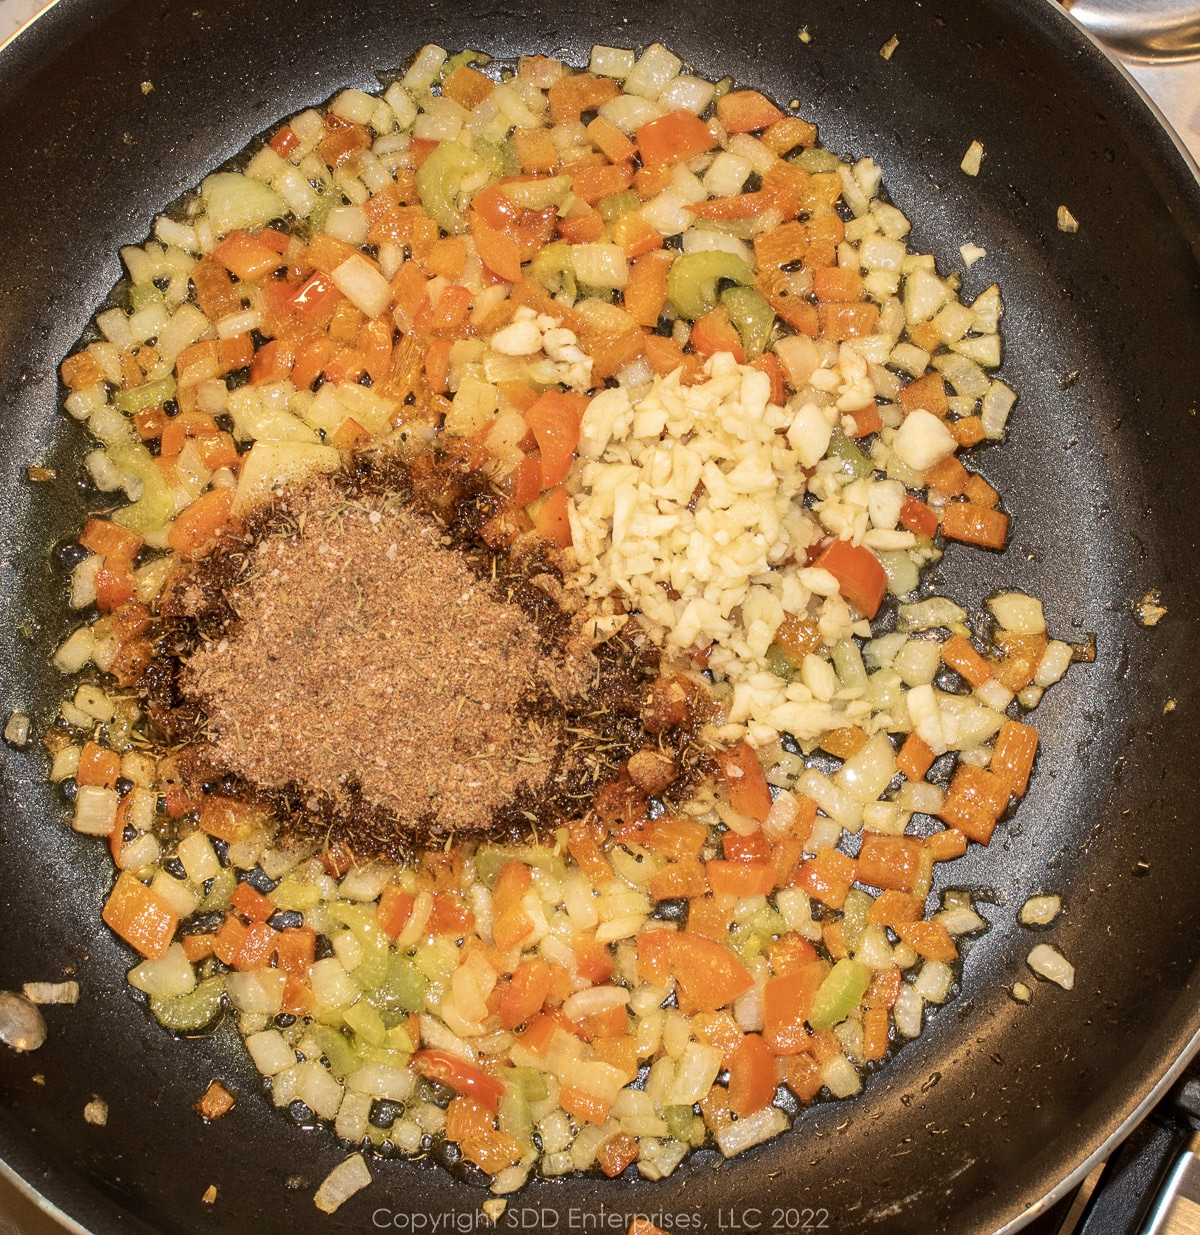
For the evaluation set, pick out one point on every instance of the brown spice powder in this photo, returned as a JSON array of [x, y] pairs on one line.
[[370, 665]]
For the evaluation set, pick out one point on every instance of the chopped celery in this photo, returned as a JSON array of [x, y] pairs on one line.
[[902, 573], [437, 963], [492, 154], [336, 1047], [232, 200], [217, 897], [753, 317], [381, 1054], [464, 58], [401, 992], [194, 1011], [780, 663], [142, 397], [853, 459], [529, 1081], [373, 969], [515, 1117], [612, 208], [554, 268], [292, 894], [490, 860], [318, 216], [156, 507], [398, 1039], [679, 1121], [693, 278], [854, 916], [439, 181], [816, 159], [848, 662], [143, 294], [540, 193], [366, 1022], [839, 994]]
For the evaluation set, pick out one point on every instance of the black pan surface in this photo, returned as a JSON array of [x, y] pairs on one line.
[[996, 1104]]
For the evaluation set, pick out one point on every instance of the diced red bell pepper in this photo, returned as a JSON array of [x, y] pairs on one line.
[[859, 573], [469, 1081]]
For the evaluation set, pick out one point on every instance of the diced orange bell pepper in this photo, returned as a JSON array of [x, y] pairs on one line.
[[395, 909], [931, 939], [714, 332], [740, 878], [975, 525], [889, 861], [752, 1076], [141, 917], [743, 111], [749, 793], [246, 256], [510, 923], [918, 517], [196, 530], [654, 956], [787, 1001], [551, 521], [526, 993], [251, 903], [708, 974], [554, 421], [674, 137], [1013, 755], [98, 766]]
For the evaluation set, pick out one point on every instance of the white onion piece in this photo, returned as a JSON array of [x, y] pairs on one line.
[[342, 1183], [1049, 963], [1040, 910]]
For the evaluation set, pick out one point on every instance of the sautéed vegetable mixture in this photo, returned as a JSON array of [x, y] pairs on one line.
[[658, 376]]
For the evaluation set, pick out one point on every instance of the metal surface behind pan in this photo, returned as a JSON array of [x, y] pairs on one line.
[[996, 1103]]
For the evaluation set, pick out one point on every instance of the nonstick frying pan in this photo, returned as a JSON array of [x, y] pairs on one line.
[[984, 1118]]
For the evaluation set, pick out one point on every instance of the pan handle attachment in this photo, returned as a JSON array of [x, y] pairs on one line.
[[1178, 1200], [1146, 30]]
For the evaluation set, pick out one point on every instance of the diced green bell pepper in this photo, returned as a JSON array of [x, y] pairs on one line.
[[439, 180], [373, 969], [515, 1117], [854, 916], [336, 1047], [753, 317], [366, 1022], [780, 663], [490, 860], [401, 992], [853, 459], [292, 894], [839, 994], [693, 278], [222, 888], [143, 294]]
